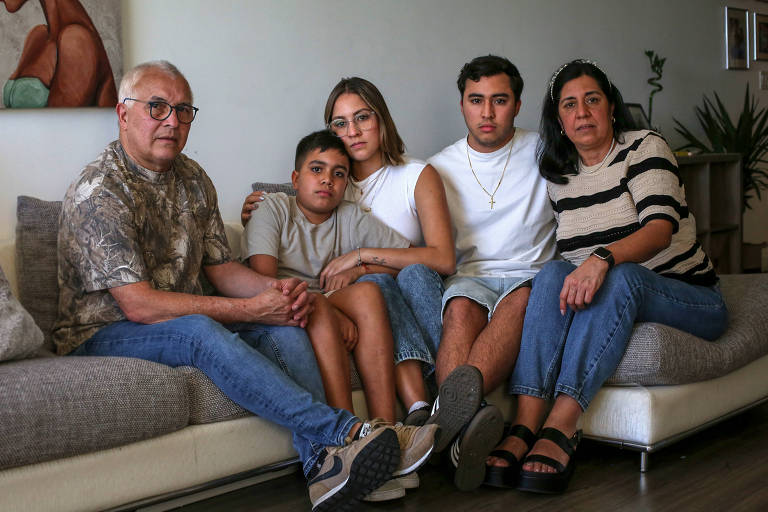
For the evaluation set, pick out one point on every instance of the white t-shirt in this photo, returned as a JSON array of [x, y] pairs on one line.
[[389, 195], [517, 236]]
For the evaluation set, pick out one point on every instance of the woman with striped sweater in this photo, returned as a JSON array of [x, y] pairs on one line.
[[631, 255]]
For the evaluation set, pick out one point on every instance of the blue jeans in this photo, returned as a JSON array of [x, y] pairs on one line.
[[575, 353], [268, 370], [413, 305]]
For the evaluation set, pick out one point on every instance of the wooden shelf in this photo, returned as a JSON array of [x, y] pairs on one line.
[[713, 193]]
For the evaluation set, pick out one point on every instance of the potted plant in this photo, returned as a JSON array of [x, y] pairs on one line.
[[748, 137]]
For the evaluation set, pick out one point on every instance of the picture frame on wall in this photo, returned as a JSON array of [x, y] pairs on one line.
[[638, 116], [760, 36], [736, 38]]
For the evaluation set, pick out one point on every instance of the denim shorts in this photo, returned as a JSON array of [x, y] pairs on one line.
[[486, 291]]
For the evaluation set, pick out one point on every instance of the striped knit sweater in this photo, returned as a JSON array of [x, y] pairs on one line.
[[637, 182]]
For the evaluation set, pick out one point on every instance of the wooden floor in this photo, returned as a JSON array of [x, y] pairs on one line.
[[722, 468]]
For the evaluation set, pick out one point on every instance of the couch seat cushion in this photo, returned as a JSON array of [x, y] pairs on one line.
[[658, 354], [207, 403], [54, 407]]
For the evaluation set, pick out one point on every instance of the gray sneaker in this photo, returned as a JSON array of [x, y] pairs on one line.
[[347, 473], [416, 444], [457, 402]]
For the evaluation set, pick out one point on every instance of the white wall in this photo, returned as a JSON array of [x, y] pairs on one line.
[[261, 71]]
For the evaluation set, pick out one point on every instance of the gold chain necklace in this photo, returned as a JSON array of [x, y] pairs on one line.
[[500, 178], [370, 188]]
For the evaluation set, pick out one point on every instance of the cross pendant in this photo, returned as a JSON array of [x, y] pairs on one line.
[[491, 201]]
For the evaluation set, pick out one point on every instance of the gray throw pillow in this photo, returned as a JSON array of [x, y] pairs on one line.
[[19, 336], [274, 187], [37, 230]]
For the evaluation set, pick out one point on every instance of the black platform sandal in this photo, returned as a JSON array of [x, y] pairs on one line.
[[551, 483], [506, 476]]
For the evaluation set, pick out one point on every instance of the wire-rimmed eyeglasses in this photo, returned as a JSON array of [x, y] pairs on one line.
[[364, 120], [161, 110]]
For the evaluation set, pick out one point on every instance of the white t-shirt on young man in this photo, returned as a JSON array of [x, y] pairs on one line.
[[516, 237]]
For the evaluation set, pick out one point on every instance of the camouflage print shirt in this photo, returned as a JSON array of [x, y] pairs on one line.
[[122, 223]]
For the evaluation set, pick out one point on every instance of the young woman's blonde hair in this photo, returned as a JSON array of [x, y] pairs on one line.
[[392, 146]]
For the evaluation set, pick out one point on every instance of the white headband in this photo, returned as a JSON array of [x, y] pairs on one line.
[[577, 61]]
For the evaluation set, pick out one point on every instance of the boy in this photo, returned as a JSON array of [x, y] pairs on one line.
[[297, 237]]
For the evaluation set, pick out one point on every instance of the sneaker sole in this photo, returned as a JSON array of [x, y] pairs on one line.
[[482, 435], [372, 466], [460, 396], [411, 481]]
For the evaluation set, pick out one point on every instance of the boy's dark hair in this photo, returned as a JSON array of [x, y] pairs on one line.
[[490, 65], [324, 140]]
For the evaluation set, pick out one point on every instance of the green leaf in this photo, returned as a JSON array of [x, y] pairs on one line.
[[748, 136]]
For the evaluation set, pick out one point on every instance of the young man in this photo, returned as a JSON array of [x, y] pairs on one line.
[[504, 232], [137, 228], [297, 237]]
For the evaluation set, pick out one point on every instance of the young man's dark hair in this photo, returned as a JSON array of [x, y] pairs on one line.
[[323, 139], [490, 65]]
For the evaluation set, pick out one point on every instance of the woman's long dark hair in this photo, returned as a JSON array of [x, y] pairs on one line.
[[556, 154]]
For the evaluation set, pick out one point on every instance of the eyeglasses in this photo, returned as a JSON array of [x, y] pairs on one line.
[[363, 120], [161, 110]]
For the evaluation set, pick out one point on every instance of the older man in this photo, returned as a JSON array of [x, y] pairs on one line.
[[137, 228]]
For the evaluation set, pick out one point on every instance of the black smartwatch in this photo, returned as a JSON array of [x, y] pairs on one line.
[[605, 255]]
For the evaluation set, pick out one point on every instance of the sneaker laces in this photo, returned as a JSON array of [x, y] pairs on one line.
[[404, 432]]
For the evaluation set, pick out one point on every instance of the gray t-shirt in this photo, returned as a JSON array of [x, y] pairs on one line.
[[122, 223], [278, 228]]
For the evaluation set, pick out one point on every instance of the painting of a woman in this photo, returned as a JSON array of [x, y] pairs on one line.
[[63, 63]]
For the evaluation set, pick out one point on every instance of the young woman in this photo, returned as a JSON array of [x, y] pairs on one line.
[[408, 196]]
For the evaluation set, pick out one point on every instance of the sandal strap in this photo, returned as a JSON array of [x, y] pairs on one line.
[[524, 433], [545, 460], [506, 455], [557, 437]]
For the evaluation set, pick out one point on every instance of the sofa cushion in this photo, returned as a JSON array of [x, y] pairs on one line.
[[658, 354], [207, 403], [273, 187], [37, 228], [19, 336], [63, 406]]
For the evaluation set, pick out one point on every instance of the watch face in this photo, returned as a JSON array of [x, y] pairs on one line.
[[605, 255], [602, 253]]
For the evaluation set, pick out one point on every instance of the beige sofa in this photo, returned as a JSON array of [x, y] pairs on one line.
[[213, 441]]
